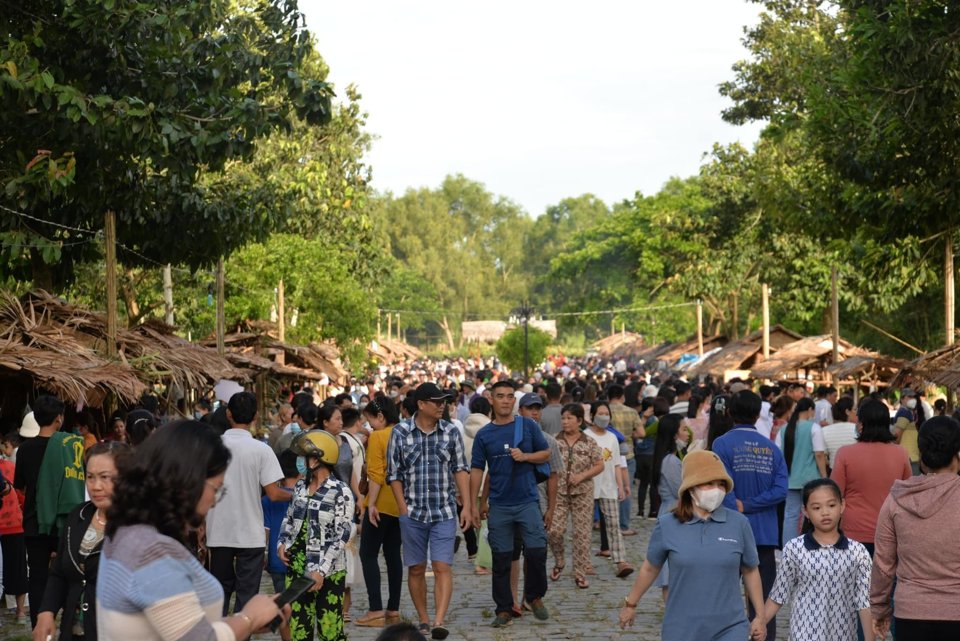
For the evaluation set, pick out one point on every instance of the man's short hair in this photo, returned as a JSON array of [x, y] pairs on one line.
[[745, 407], [681, 388], [243, 407], [615, 391], [554, 391], [350, 416], [506, 382], [345, 396], [401, 632], [46, 409]]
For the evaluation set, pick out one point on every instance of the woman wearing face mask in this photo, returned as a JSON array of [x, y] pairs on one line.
[[709, 549], [671, 445], [73, 573], [906, 425], [600, 410]]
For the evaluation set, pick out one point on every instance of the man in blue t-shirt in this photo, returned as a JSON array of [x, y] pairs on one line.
[[759, 475], [514, 500]]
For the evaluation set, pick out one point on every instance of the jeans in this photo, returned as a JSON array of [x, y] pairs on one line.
[[238, 570], [627, 503], [503, 522], [387, 536], [792, 514]]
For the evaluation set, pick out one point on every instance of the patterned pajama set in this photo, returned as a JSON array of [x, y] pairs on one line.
[[574, 500], [315, 532]]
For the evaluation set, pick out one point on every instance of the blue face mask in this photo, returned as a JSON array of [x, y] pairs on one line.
[[302, 465], [198, 415]]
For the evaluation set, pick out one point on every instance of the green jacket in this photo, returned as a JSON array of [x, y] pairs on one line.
[[60, 485]]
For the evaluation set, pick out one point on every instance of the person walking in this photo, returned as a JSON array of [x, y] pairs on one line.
[[710, 549], [581, 461], [805, 454], [514, 502], [235, 537], [627, 421], [760, 485], [427, 471]]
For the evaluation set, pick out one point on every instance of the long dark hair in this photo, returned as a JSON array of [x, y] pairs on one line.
[[790, 433], [665, 443], [162, 486], [874, 420]]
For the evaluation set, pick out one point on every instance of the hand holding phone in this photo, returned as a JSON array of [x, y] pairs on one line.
[[294, 591]]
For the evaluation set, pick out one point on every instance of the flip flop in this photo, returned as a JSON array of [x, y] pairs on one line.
[[557, 571], [582, 583], [371, 622]]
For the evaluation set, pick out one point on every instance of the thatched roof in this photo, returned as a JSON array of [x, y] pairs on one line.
[[252, 350], [625, 344], [813, 352], [54, 356], [391, 351], [674, 351], [745, 353], [487, 331], [941, 366], [880, 368]]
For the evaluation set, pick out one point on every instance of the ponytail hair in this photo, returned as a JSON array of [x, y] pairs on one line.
[[790, 434]]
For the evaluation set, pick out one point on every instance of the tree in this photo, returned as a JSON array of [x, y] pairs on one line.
[[510, 347], [129, 103]]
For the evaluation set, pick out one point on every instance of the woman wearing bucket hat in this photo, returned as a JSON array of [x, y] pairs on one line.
[[709, 547]]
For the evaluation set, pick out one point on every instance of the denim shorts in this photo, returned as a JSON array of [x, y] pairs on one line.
[[505, 521], [437, 537]]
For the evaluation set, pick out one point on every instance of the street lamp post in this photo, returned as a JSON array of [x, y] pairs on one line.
[[524, 312]]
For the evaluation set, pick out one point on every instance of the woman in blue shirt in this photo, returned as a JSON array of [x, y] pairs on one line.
[[709, 548]]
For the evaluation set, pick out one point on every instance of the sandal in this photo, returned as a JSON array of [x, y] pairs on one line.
[[375, 621], [624, 570], [557, 571], [581, 582], [603, 553]]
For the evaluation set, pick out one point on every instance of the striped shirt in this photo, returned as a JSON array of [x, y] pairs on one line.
[[425, 464], [150, 588], [328, 515]]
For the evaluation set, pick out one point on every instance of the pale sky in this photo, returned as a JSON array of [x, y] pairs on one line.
[[537, 100]]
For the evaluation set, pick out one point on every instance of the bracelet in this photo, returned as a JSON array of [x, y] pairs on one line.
[[248, 620], [627, 604]]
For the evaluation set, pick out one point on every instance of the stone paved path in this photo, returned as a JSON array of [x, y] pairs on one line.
[[575, 614]]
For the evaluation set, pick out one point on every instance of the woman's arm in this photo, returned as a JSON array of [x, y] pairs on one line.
[[645, 578], [751, 581]]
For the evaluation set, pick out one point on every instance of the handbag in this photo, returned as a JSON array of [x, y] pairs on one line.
[[541, 471]]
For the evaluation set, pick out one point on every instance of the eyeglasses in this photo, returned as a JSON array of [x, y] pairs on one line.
[[218, 492], [439, 402]]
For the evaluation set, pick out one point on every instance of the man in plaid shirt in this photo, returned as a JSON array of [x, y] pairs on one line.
[[426, 469]]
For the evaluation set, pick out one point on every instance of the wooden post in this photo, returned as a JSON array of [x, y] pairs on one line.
[[765, 290], [389, 325], [168, 294], [949, 291], [623, 329], [399, 338], [836, 317], [281, 321], [221, 321], [700, 328], [110, 240], [613, 327], [379, 337]]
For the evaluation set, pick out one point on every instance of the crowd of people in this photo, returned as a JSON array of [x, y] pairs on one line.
[[161, 527]]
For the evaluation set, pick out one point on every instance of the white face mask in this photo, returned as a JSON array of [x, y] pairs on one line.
[[708, 499], [911, 403], [601, 421]]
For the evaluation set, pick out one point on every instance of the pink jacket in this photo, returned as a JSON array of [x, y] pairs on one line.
[[916, 543]]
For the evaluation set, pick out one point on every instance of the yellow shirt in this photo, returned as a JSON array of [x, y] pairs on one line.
[[377, 471]]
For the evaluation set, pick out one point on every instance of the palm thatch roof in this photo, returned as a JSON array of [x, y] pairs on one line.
[[624, 344], [674, 351], [488, 331], [391, 351], [745, 353], [52, 356], [811, 353], [876, 367], [941, 367]]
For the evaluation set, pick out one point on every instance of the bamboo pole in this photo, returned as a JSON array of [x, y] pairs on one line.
[[949, 291], [700, 328], [766, 321], [281, 321], [835, 323], [221, 321], [168, 294], [110, 240]]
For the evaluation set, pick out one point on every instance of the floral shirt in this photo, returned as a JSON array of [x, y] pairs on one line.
[[577, 459], [328, 515]]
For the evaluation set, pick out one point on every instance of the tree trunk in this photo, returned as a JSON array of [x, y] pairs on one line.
[[446, 330], [735, 313], [949, 291], [129, 291]]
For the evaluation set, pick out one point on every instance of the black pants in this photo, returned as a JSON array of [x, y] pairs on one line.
[[40, 549], [387, 536], [470, 535], [534, 577], [645, 474], [768, 574], [238, 570], [918, 630]]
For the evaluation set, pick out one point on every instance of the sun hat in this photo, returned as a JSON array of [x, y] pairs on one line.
[[703, 466]]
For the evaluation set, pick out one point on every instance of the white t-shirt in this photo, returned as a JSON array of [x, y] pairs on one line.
[[765, 422], [836, 436], [823, 412], [605, 483], [816, 438], [237, 520]]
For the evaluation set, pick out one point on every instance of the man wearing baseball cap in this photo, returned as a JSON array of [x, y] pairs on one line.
[[427, 469]]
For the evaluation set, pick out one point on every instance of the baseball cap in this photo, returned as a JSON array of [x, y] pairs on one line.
[[530, 399], [430, 392]]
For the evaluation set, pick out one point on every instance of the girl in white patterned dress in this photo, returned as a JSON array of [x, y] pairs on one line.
[[827, 574]]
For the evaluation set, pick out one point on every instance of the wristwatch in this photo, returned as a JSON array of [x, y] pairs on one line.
[[627, 604]]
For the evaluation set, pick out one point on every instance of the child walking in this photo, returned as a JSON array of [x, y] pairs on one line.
[[827, 574], [313, 537]]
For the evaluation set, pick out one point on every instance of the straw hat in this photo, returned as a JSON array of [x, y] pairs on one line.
[[702, 466]]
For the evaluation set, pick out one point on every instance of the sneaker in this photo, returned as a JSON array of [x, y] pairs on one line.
[[502, 620], [539, 610]]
